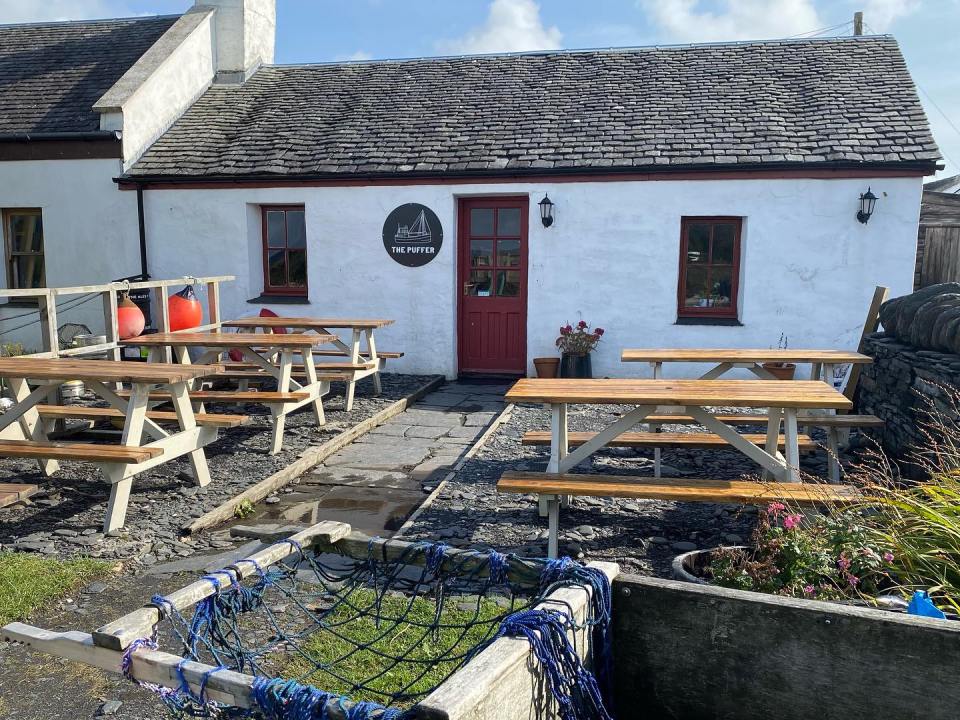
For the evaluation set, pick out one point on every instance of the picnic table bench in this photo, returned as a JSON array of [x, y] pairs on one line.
[[359, 363], [783, 399], [823, 364], [272, 354], [31, 421]]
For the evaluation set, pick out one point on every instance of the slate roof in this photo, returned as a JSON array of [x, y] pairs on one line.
[[51, 74], [840, 100]]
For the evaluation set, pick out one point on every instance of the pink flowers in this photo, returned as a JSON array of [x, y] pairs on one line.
[[888, 557], [809, 589], [792, 521], [843, 562], [580, 340], [775, 508]]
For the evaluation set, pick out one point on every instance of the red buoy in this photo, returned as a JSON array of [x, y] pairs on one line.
[[184, 308], [130, 320]]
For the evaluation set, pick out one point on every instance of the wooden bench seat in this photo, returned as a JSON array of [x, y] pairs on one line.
[[385, 354], [839, 421], [552, 487], [262, 375], [77, 412], [43, 450], [234, 396], [298, 368], [664, 439]]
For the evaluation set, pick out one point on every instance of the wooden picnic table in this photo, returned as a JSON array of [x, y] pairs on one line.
[[359, 362], [823, 362], [119, 464], [696, 397], [262, 350]]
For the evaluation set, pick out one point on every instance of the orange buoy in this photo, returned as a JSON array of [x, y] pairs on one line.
[[184, 308], [130, 320]]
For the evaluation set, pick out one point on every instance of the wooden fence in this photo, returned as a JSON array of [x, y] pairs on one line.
[[941, 255]]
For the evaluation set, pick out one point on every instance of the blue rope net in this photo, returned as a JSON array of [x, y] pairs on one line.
[[328, 636]]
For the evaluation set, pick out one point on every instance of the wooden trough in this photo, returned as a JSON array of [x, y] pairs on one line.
[[502, 681]]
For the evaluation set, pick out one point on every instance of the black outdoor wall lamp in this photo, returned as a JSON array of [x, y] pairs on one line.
[[546, 211], [867, 201]]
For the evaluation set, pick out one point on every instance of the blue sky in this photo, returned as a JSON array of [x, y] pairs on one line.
[[325, 30]]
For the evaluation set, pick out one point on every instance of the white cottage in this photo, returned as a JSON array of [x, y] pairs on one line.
[[702, 195]]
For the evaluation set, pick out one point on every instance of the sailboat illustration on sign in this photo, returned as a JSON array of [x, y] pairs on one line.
[[419, 232]]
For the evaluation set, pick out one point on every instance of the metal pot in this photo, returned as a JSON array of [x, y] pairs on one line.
[[686, 566], [576, 365]]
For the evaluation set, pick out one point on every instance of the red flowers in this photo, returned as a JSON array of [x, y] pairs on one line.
[[580, 340]]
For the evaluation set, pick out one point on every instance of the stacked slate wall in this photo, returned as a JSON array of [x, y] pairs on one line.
[[899, 388]]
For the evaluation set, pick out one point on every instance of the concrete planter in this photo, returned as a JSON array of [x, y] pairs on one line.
[[687, 567]]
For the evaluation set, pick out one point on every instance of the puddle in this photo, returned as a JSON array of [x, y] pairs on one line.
[[375, 511]]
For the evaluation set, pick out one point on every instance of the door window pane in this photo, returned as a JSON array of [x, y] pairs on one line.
[[481, 253], [508, 221], [276, 237], [480, 283], [481, 221], [296, 229], [508, 283], [508, 253]]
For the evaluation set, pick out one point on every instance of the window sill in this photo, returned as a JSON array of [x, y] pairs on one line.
[[730, 322], [266, 299]]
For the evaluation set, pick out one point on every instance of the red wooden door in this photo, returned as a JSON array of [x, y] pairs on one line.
[[492, 253]]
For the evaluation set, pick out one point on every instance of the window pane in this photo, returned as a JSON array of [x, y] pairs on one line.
[[481, 253], [296, 229], [278, 268], [27, 271], [297, 263], [508, 253], [697, 292], [275, 229], [698, 243], [481, 221], [26, 233], [508, 221], [723, 244], [480, 281], [508, 283], [720, 280]]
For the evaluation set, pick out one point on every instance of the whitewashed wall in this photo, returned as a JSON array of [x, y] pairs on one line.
[[89, 228], [612, 257]]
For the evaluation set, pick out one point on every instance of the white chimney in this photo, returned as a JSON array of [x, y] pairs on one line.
[[244, 36]]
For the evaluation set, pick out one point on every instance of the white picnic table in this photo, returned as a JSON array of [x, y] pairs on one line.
[[360, 362], [261, 350], [119, 464]]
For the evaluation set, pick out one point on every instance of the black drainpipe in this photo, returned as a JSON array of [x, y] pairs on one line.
[[143, 234]]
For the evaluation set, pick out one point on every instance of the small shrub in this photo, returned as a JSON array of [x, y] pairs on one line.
[[244, 509]]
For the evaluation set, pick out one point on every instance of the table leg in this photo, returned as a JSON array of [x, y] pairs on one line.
[[553, 524], [310, 369], [30, 425], [815, 370], [833, 454], [791, 444], [279, 412], [354, 358], [774, 416], [716, 372], [559, 446], [132, 434], [372, 349], [180, 394]]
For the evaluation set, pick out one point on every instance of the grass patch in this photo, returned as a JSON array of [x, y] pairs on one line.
[[28, 582], [430, 656]]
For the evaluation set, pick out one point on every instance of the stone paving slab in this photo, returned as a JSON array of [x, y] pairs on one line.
[[355, 477], [385, 457]]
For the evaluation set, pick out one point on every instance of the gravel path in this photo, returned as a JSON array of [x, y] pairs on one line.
[[66, 518], [642, 535]]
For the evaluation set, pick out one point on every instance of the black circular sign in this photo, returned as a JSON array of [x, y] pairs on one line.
[[412, 234]]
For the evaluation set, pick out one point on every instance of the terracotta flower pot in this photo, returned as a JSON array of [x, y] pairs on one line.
[[781, 371], [547, 367]]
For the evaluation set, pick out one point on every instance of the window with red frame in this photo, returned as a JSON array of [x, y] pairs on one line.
[[284, 250], [709, 267]]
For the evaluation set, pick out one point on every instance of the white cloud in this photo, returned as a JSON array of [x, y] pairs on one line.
[[16, 11], [685, 21], [511, 26], [879, 15], [358, 55]]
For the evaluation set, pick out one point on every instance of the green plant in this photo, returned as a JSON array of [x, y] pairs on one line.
[[28, 582], [813, 555], [244, 509], [11, 349], [578, 339]]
